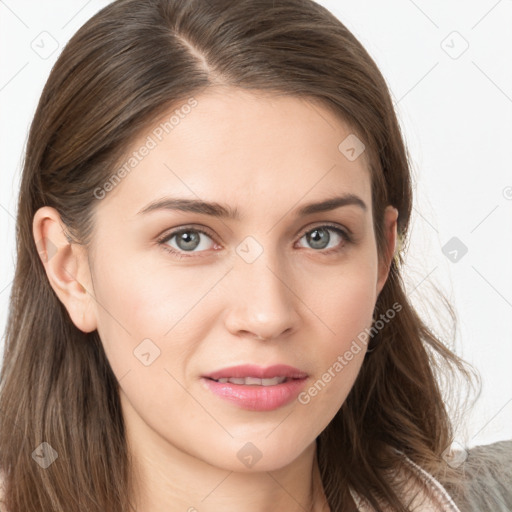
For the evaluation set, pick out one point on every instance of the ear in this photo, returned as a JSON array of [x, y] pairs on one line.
[[66, 266], [390, 228]]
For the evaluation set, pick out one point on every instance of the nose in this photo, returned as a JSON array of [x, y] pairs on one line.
[[262, 303]]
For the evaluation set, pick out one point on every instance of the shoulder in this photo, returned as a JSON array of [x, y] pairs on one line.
[[418, 490], [486, 475]]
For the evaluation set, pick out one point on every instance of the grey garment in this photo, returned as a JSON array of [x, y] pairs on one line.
[[487, 477]]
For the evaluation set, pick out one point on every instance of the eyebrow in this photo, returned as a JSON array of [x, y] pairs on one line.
[[215, 209]]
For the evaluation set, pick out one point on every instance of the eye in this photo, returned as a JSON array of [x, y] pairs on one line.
[[187, 240], [319, 238]]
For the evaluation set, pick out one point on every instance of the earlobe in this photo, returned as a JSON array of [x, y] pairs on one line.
[[390, 222], [66, 267]]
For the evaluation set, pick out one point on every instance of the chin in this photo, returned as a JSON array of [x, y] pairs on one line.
[[261, 454]]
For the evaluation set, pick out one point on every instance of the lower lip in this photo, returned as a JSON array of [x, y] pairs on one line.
[[257, 398]]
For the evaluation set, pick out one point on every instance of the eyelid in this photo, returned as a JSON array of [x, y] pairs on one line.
[[326, 224]]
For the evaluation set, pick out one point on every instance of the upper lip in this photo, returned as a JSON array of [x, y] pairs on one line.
[[260, 372]]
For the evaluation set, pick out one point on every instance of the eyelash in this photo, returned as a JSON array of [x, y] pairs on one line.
[[162, 241]]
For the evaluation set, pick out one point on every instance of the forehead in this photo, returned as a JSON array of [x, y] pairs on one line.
[[237, 146]]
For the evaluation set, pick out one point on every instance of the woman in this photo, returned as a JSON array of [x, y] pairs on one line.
[[207, 312]]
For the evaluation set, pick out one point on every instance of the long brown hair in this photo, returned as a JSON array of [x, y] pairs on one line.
[[129, 63]]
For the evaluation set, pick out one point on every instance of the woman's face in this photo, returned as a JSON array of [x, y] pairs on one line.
[[271, 286]]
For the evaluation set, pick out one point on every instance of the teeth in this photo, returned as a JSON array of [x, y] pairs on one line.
[[272, 382], [252, 381]]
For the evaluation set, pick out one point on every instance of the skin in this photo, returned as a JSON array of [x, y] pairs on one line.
[[267, 156]]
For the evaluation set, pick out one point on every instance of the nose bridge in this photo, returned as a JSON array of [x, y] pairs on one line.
[[264, 303]]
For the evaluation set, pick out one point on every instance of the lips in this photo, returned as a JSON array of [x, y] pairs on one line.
[[256, 388], [257, 375]]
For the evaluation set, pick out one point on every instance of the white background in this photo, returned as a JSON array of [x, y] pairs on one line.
[[455, 107]]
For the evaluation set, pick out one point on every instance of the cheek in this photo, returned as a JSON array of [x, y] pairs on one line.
[[144, 308], [346, 310], [142, 327], [129, 311], [351, 314], [343, 303]]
